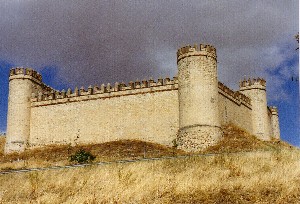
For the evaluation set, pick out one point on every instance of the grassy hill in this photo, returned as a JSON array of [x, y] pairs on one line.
[[269, 173]]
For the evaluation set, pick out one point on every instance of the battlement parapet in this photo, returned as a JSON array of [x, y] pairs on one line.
[[253, 84], [29, 73], [191, 110], [235, 96], [50, 96], [273, 110], [20, 72], [201, 50], [46, 88]]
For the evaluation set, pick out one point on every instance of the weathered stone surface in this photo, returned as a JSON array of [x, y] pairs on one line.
[[149, 116], [255, 89], [198, 96], [198, 137], [190, 108]]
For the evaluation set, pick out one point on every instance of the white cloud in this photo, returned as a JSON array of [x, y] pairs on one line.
[[105, 41], [279, 82]]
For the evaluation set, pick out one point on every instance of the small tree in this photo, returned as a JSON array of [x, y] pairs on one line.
[[175, 144], [174, 147], [82, 156]]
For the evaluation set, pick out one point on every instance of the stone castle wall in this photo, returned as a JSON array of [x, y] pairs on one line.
[[22, 83], [256, 90], [145, 113], [198, 93], [149, 114], [234, 108], [189, 109], [274, 120]]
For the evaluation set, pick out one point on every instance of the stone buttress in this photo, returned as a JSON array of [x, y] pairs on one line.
[[199, 123]]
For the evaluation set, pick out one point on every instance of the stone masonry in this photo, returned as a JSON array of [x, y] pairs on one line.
[[189, 109]]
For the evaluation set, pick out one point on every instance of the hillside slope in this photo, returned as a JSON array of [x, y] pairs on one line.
[[238, 140], [234, 140], [259, 172], [257, 177]]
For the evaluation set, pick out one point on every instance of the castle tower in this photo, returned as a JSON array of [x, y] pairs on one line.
[[255, 89], [22, 83], [199, 124], [275, 122]]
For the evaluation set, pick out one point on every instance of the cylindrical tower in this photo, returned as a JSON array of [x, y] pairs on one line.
[[22, 83], [255, 89], [275, 122], [199, 124]]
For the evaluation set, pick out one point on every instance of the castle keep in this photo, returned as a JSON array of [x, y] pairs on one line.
[[190, 108]]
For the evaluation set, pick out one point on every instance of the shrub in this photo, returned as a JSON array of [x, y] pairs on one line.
[[175, 144], [82, 156]]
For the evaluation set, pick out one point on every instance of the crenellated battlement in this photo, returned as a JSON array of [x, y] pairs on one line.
[[103, 91], [189, 109], [201, 50], [253, 83], [236, 95], [23, 72], [20, 72], [273, 110], [120, 89]]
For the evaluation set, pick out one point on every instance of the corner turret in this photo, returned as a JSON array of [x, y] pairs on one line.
[[275, 122], [199, 123], [255, 89], [22, 83]]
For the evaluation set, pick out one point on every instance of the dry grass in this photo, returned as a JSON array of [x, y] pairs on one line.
[[238, 140], [2, 143], [58, 155], [257, 177], [234, 140]]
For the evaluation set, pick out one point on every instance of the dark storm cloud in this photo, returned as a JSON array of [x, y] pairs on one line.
[[105, 41]]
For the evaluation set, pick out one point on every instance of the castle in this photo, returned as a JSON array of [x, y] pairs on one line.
[[189, 108]]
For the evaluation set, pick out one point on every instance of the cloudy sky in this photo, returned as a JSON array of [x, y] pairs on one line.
[[78, 43]]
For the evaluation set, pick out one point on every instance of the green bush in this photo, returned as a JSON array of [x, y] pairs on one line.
[[82, 156], [175, 144]]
